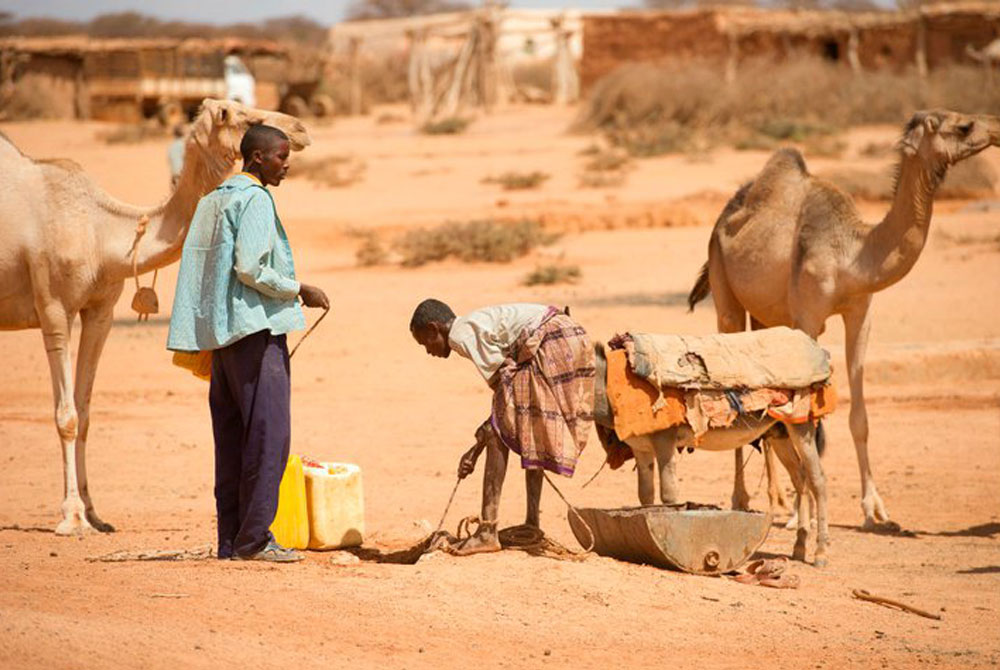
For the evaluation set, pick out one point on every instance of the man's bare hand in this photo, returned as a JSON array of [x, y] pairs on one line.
[[313, 296], [467, 464]]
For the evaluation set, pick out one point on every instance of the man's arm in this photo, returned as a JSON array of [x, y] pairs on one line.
[[254, 244]]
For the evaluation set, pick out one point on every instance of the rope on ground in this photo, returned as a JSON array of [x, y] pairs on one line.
[[196, 554]]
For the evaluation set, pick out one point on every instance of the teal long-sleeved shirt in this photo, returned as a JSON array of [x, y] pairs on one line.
[[237, 276]]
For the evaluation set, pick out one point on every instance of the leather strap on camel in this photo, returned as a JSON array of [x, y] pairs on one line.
[[144, 302]]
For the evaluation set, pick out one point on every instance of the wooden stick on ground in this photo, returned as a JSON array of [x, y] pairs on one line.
[[861, 594]]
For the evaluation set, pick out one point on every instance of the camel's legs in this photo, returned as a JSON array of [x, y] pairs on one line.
[[730, 317], [644, 466], [775, 496], [664, 444], [57, 327], [857, 323], [784, 450], [803, 436], [96, 324]]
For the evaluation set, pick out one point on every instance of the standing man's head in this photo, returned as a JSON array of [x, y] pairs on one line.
[[265, 151], [430, 325]]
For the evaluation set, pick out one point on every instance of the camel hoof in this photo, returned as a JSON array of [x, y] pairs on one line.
[[799, 553], [70, 527], [792, 523], [884, 528], [820, 562]]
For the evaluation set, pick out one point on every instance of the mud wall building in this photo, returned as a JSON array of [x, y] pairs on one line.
[[934, 36]]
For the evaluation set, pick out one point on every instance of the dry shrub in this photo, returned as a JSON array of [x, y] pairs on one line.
[[656, 108], [453, 125], [133, 133], [518, 181], [605, 167], [552, 274], [371, 252], [973, 178], [332, 171], [482, 240]]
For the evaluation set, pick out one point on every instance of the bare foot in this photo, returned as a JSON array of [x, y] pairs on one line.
[[480, 543]]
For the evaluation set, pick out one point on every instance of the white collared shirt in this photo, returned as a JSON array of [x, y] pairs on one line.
[[485, 335]]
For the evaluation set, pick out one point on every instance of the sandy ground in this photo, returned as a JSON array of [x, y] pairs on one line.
[[363, 392]]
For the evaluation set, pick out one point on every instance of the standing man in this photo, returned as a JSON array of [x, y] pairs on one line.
[[237, 297]]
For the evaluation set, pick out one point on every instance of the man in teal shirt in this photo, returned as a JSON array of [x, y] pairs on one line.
[[237, 296]]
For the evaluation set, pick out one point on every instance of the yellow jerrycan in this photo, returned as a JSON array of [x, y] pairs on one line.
[[336, 505], [291, 523]]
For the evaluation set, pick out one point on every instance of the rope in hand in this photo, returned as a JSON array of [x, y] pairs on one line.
[[309, 332], [447, 507]]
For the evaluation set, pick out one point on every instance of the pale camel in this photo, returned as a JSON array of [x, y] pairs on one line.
[[794, 443], [69, 249], [790, 249]]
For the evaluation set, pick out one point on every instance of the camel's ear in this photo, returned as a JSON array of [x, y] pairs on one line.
[[932, 123], [913, 133], [222, 115]]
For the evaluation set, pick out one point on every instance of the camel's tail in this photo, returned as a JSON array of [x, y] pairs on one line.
[[701, 288], [820, 437]]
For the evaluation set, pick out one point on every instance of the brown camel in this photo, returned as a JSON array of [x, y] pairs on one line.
[[791, 249], [70, 248]]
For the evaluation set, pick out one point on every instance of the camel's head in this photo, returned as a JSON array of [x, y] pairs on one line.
[[220, 125], [942, 137]]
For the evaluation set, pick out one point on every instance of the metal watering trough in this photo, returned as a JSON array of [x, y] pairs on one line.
[[699, 541]]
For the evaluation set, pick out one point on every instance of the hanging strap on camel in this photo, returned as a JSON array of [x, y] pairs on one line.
[[144, 302]]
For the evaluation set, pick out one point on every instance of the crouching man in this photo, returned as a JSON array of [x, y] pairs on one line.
[[540, 364]]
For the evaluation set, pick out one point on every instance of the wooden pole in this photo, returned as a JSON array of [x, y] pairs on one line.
[[354, 49], [733, 56], [921, 54], [852, 50], [452, 98]]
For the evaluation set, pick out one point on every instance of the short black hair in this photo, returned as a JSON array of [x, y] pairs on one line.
[[430, 311], [259, 138]]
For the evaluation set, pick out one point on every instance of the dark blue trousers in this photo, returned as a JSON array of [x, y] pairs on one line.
[[249, 398]]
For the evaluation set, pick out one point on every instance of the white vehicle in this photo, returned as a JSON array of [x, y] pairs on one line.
[[240, 84]]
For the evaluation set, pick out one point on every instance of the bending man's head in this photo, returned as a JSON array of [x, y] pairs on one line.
[[430, 325]]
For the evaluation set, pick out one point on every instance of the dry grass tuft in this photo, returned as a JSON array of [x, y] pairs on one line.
[[605, 167], [518, 181], [472, 241], [451, 126], [545, 275], [371, 252]]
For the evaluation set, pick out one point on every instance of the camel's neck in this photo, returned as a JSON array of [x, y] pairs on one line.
[[891, 248], [163, 240]]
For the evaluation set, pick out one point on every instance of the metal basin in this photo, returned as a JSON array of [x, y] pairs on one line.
[[699, 541]]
